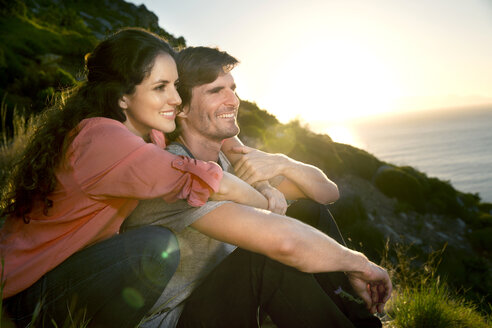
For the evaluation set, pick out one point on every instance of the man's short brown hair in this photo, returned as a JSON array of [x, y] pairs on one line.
[[200, 65]]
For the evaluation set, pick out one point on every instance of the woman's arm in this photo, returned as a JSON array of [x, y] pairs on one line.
[[109, 161], [234, 189]]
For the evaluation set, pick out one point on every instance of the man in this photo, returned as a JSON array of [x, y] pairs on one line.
[[270, 272]]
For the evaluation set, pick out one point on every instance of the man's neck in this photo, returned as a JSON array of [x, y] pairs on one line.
[[201, 147]]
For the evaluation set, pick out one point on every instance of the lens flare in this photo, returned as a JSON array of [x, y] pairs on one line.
[[132, 297]]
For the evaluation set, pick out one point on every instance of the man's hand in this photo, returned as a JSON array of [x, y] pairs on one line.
[[373, 286], [256, 165], [297, 179], [276, 200]]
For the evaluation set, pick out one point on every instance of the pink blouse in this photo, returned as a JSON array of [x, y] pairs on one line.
[[108, 169]]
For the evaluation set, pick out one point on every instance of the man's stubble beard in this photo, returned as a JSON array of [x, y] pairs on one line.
[[219, 134]]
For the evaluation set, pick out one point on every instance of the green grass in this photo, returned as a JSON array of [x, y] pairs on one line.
[[11, 147], [423, 299], [434, 305]]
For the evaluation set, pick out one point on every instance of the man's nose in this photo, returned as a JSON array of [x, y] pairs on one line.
[[232, 99]]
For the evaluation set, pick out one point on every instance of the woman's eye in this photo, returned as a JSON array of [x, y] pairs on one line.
[[160, 87]]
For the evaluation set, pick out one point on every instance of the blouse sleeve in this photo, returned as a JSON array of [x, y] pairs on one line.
[[109, 161]]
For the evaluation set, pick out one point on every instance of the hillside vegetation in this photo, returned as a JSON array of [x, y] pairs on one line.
[[42, 46]]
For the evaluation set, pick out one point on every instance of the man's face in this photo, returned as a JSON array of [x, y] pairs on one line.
[[212, 111]]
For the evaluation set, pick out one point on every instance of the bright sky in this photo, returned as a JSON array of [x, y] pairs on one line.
[[326, 61]]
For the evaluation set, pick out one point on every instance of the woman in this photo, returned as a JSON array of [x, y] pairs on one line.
[[80, 176]]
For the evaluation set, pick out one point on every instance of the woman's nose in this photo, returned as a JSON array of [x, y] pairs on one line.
[[175, 99]]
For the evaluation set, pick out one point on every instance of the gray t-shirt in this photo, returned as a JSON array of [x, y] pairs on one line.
[[199, 254]]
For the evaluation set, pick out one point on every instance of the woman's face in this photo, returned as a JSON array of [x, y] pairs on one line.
[[153, 103]]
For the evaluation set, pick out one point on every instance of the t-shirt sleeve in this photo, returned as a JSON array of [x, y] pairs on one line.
[[175, 216], [109, 161]]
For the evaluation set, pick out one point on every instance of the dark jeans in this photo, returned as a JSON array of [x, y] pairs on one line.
[[113, 283], [319, 216], [246, 286]]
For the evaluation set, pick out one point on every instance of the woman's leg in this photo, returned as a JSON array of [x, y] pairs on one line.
[[113, 283], [246, 285]]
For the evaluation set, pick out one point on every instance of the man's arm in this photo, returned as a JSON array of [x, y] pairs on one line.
[[296, 244], [301, 180]]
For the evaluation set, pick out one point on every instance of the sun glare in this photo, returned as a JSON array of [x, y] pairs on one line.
[[342, 134], [333, 81]]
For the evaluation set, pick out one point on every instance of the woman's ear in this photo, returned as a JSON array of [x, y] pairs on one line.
[[123, 102]]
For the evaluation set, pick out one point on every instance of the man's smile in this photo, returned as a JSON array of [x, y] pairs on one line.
[[228, 115]]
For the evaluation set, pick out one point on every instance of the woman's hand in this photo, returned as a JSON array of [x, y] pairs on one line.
[[276, 199]]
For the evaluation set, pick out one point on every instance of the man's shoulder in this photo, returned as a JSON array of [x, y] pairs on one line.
[[178, 149]]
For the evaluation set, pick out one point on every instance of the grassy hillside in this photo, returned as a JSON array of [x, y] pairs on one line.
[[42, 46]]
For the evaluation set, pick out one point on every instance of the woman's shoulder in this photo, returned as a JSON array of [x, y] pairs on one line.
[[105, 134], [106, 126], [98, 121], [101, 127]]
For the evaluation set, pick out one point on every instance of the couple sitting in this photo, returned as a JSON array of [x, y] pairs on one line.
[[237, 262]]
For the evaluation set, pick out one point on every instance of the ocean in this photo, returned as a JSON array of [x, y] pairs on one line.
[[453, 145]]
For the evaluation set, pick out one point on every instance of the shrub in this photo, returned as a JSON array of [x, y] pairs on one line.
[[357, 161], [16, 7], [395, 182], [485, 207], [318, 150], [481, 238], [64, 78], [443, 198]]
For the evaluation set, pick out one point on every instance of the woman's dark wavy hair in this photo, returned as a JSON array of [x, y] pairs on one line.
[[113, 69]]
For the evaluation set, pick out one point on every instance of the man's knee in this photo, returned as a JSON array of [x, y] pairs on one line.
[[307, 211], [316, 215]]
